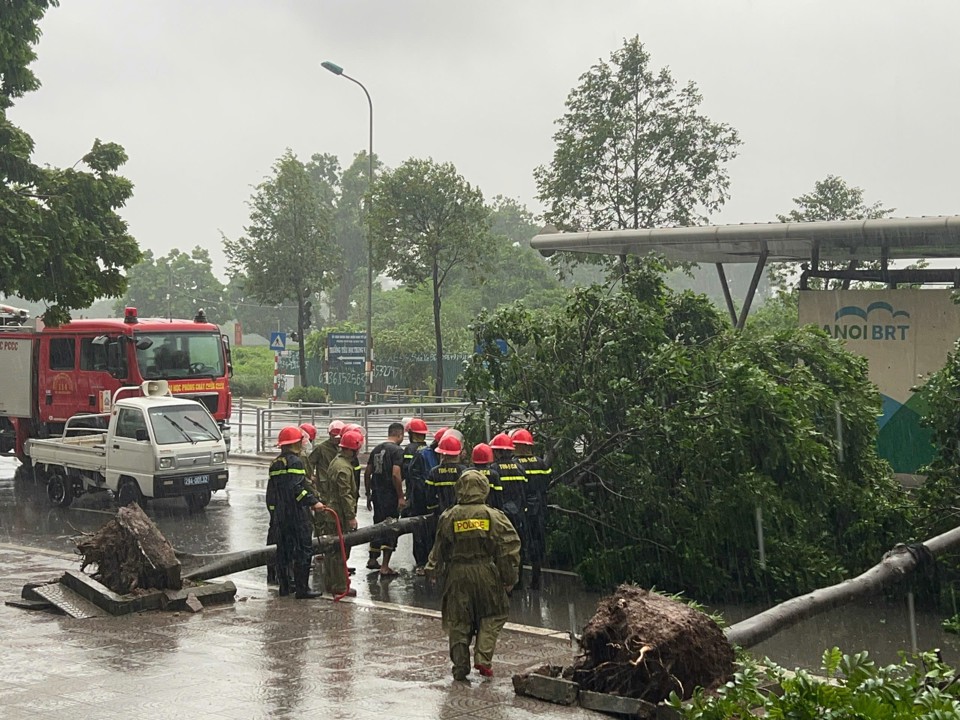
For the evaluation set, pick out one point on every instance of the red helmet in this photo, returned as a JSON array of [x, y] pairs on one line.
[[502, 442], [438, 433], [289, 435], [351, 427], [335, 428], [310, 430], [351, 440], [417, 425], [521, 437], [449, 445], [482, 454]]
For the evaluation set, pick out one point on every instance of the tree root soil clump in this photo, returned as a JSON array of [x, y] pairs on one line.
[[131, 554], [641, 644]]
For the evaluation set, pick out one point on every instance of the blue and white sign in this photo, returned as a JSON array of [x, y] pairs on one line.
[[278, 341]]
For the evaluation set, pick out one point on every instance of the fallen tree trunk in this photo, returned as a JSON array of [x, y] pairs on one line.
[[228, 563], [131, 554], [896, 565]]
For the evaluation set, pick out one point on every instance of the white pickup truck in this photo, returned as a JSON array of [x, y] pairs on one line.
[[156, 446]]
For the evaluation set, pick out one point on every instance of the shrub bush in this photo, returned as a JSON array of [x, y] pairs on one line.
[[309, 394]]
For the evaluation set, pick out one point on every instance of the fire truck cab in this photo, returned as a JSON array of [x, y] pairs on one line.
[[49, 374]]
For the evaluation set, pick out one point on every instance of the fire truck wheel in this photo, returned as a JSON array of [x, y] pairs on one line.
[[59, 490], [129, 492], [198, 501]]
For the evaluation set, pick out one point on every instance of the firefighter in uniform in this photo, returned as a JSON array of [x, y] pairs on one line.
[[292, 500], [339, 497], [513, 480], [442, 480], [417, 434], [320, 458], [423, 462], [383, 483], [482, 458], [539, 478], [477, 552]]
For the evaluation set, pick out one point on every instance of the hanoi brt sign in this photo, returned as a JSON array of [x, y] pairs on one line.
[[905, 335], [855, 323]]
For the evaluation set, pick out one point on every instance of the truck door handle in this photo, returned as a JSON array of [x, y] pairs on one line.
[[49, 397], [116, 447], [92, 400]]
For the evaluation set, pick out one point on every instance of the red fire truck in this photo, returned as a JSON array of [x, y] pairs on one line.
[[48, 374]]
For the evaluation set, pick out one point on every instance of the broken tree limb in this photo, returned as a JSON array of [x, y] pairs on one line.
[[897, 564], [228, 563]]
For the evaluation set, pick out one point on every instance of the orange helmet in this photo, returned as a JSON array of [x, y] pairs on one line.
[[482, 454], [521, 437], [417, 425], [351, 440], [502, 442], [335, 428], [289, 435], [449, 445], [310, 430]]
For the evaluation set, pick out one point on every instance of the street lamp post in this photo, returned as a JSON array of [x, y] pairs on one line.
[[368, 360]]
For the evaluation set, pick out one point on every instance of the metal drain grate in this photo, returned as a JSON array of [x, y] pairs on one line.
[[70, 602]]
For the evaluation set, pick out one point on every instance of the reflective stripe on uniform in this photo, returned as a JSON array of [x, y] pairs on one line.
[[303, 494], [292, 471]]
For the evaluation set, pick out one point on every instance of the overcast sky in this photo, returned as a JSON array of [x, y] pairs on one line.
[[206, 94]]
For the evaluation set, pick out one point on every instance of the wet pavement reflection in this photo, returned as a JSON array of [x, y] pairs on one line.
[[236, 520]]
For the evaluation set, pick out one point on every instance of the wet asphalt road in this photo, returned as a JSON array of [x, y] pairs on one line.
[[236, 520]]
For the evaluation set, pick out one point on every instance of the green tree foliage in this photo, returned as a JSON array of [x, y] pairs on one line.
[[833, 198], [255, 316], [670, 430], [176, 285], [61, 240], [350, 230], [426, 220], [633, 150], [848, 686], [288, 249]]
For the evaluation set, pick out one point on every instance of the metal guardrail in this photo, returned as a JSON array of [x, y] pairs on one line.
[[255, 424]]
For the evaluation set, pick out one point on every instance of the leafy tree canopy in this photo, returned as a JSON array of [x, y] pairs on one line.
[[288, 250], [669, 430], [832, 198], [633, 150], [426, 220], [61, 240], [176, 285]]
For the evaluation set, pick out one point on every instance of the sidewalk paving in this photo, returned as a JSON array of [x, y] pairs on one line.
[[261, 657]]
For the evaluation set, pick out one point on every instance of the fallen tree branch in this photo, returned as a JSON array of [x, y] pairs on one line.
[[228, 563], [897, 564]]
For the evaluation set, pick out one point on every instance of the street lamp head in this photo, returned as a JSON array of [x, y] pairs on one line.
[[332, 67]]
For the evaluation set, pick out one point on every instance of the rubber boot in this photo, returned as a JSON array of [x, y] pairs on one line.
[[535, 577], [283, 579], [301, 577]]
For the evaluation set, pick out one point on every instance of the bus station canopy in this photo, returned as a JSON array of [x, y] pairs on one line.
[[834, 240]]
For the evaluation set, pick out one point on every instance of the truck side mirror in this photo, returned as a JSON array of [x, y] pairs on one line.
[[142, 435], [225, 341], [116, 357]]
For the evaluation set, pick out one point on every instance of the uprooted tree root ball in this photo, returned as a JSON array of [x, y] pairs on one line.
[[130, 553], [640, 644]]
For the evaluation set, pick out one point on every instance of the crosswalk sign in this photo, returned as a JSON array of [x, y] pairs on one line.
[[278, 341]]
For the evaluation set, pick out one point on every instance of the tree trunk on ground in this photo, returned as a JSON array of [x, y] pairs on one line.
[[212, 566], [438, 384], [895, 566], [130, 553]]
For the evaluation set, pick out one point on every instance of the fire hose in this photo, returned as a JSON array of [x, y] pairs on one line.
[[343, 553]]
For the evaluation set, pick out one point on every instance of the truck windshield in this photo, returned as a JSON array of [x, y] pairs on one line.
[[182, 423], [179, 355]]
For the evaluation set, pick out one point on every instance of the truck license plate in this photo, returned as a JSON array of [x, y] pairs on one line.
[[196, 480]]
